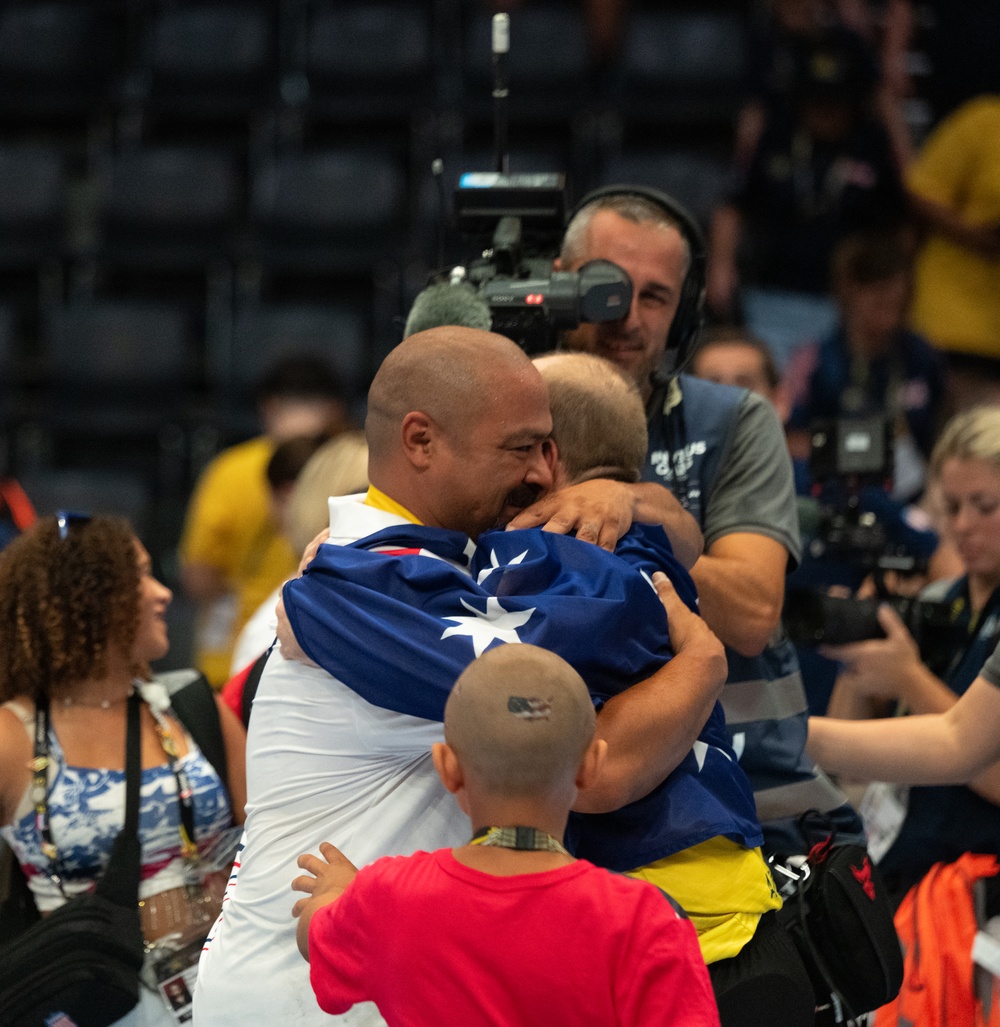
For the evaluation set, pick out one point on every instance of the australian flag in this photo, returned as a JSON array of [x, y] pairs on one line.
[[398, 616]]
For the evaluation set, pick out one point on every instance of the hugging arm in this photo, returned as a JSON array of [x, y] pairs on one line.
[[601, 511], [652, 726]]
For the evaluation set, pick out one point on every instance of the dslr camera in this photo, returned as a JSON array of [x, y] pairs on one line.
[[846, 455]]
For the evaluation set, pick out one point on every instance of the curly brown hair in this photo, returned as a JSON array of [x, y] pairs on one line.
[[65, 603]]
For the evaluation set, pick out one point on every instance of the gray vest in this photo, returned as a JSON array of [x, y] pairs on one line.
[[764, 701]]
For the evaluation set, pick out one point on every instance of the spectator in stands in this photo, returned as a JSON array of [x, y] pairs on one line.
[[908, 833], [509, 927], [232, 551], [954, 186], [338, 468], [728, 355], [81, 618], [815, 175], [781, 40], [871, 364], [289, 460]]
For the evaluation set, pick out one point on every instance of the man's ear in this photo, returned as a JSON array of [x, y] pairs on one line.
[[550, 453], [418, 433], [557, 264], [450, 771], [592, 764]]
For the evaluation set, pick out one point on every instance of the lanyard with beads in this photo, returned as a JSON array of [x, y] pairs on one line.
[[39, 792], [40, 786], [185, 799]]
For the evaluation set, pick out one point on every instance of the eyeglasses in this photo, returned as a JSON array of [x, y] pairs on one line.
[[65, 519]]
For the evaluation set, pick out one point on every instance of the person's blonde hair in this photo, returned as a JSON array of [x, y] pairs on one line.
[[598, 418], [972, 434], [338, 468]]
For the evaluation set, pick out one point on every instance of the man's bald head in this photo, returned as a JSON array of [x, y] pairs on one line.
[[598, 418], [447, 372], [459, 429], [519, 720]]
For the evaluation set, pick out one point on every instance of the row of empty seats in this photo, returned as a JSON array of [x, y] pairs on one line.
[[354, 61]]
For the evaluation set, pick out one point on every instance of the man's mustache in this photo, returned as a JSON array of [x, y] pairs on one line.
[[523, 496]]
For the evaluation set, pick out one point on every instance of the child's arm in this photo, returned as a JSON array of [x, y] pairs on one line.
[[331, 875]]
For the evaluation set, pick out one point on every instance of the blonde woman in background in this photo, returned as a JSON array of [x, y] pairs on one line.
[[338, 468]]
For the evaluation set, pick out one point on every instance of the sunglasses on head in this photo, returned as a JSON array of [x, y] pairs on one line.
[[65, 519]]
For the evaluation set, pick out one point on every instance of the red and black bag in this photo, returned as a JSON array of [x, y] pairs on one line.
[[841, 919]]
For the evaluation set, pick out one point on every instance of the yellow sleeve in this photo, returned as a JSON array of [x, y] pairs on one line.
[[226, 507], [952, 156]]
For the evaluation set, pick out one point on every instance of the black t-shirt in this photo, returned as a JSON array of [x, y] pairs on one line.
[[800, 196]]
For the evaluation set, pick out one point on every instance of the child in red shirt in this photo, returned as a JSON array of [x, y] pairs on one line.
[[508, 929]]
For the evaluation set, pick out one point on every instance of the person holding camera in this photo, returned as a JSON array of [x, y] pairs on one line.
[[910, 831]]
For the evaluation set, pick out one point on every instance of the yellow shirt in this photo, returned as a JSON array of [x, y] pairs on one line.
[[229, 527], [956, 298], [723, 887]]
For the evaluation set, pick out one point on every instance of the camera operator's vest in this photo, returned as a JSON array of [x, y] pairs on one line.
[[764, 701]]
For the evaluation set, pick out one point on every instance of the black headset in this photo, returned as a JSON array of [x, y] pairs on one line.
[[690, 316]]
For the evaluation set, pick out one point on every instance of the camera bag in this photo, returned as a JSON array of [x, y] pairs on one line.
[[80, 964], [841, 920]]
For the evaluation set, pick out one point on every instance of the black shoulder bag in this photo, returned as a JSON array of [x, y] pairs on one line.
[[83, 959], [841, 920]]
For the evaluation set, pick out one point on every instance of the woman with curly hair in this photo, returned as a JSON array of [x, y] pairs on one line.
[[81, 619]]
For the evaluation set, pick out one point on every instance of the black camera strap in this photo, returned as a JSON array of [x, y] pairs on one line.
[[121, 875], [975, 624]]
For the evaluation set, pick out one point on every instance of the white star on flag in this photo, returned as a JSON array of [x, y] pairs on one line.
[[700, 750], [495, 565], [484, 628]]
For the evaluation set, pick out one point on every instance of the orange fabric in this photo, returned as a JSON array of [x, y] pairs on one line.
[[16, 500], [936, 924]]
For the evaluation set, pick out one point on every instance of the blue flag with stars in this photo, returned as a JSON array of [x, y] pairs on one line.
[[426, 602], [398, 615]]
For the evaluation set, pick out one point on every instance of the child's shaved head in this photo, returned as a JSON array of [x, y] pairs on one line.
[[519, 720]]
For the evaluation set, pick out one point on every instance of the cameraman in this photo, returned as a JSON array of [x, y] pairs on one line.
[[910, 832], [722, 452]]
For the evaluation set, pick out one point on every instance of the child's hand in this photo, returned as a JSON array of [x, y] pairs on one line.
[[331, 874]]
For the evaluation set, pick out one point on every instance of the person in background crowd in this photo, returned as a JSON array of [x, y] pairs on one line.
[[728, 355], [872, 364], [954, 187], [821, 171], [232, 551], [338, 468], [781, 40], [910, 832], [81, 618]]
